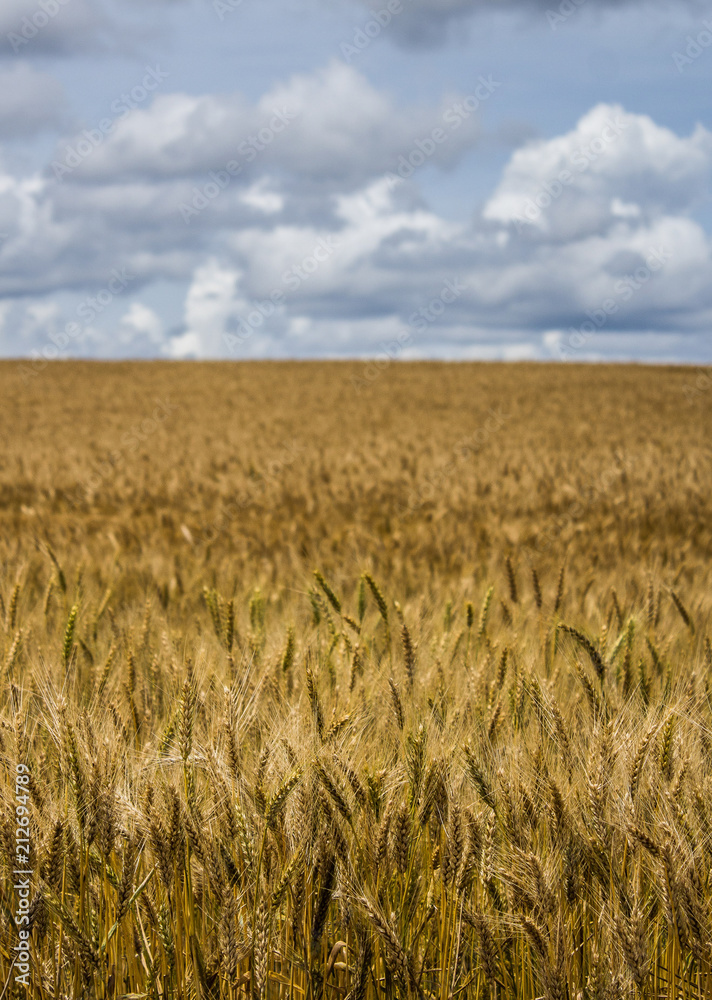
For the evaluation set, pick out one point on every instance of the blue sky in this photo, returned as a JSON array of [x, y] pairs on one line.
[[303, 178]]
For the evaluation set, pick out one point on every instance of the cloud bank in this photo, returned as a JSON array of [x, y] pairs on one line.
[[294, 228]]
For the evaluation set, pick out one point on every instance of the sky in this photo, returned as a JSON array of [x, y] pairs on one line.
[[448, 179]]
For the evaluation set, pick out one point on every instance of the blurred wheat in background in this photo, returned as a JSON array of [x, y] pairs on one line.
[[337, 686]]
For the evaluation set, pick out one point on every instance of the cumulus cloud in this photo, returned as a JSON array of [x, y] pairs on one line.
[[24, 324], [138, 206], [33, 240], [449, 289], [611, 166], [369, 223], [619, 266], [329, 127], [267, 270], [141, 325], [213, 306]]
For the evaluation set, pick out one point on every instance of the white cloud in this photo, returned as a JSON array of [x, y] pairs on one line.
[[577, 184], [212, 305], [261, 197], [141, 322], [330, 126], [369, 224], [624, 210], [351, 265]]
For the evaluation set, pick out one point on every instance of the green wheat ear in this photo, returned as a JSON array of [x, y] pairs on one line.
[[484, 613], [288, 655], [380, 602], [331, 596], [68, 643], [593, 653], [11, 617], [361, 598]]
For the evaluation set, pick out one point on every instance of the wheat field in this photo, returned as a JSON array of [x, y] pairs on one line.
[[343, 680]]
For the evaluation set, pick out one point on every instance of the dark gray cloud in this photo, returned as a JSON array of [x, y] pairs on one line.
[[66, 28], [430, 23], [30, 28]]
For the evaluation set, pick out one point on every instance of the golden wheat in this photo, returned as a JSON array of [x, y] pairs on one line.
[[241, 782]]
